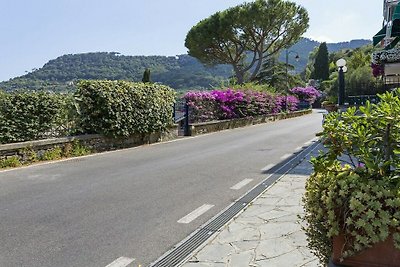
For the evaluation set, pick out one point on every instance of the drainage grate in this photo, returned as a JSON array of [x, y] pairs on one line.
[[225, 217], [182, 251], [185, 249]]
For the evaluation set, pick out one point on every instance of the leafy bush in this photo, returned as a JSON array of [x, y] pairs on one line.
[[75, 149], [286, 103], [52, 154], [12, 161], [309, 94], [30, 115], [354, 189], [120, 108], [230, 104]]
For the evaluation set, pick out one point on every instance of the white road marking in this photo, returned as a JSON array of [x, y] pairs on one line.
[[311, 141], [121, 262], [241, 184], [195, 214], [286, 156], [268, 167]]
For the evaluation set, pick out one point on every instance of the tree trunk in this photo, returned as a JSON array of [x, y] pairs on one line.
[[258, 66], [239, 75]]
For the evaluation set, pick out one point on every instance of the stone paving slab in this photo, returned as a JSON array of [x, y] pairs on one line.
[[267, 233]]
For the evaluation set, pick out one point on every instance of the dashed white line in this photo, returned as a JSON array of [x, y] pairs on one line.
[[121, 262], [241, 184], [195, 214], [286, 156], [268, 167]]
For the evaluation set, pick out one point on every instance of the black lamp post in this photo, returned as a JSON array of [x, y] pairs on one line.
[[297, 57], [341, 64]]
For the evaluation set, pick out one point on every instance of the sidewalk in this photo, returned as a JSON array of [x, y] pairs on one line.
[[267, 233]]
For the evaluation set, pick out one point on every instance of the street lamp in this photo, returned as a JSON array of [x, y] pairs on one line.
[[297, 57], [341, 64]]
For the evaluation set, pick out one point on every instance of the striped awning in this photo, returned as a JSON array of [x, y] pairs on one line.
[[395, 29]]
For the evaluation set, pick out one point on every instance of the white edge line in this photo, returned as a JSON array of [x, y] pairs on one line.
[[268, 167], [195, 214], [311, 141], [121, 262], [286, 156], [241, 184]]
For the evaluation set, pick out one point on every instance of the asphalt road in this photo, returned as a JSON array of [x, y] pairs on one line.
[[91, 211]]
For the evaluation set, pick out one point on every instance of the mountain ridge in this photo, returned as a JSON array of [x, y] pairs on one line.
[[180, 72]]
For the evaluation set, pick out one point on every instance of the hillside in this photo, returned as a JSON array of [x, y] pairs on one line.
[[182, 72]]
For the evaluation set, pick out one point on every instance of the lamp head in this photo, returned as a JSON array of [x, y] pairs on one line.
[[341, 63]]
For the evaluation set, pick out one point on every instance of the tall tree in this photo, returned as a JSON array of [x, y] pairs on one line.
[[146, 76], [321, 64], [243, 36], [273, 73]]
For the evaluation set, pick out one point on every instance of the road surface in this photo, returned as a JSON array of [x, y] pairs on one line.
[[135, 203]]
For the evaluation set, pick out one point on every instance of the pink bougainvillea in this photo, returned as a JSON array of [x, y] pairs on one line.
[[309, 94], [229, 104]]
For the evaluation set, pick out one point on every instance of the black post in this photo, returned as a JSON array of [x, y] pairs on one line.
[[186, 126], [341, 87], [173, 111]]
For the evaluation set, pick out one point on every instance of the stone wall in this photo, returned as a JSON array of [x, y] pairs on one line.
[[214, 126], [99, 143], [94, 142]]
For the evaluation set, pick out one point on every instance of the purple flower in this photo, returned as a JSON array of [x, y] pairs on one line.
[[309, 94]]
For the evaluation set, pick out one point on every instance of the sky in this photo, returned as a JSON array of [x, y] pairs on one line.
[[34, 32]]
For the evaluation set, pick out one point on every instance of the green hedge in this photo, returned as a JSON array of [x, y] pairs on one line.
[[120, 108], [31, 115]]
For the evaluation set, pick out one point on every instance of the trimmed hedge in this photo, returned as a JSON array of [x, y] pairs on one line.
[[31, 115], [121, 108]]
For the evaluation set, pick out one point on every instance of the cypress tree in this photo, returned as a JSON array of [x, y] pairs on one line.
[[146, 76], [321, 64]]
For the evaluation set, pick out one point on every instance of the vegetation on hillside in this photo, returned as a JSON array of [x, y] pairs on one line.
[[182, 73]]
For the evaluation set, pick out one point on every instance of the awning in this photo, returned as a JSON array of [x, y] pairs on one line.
[[379, 36], [395, 28], [396, 13]]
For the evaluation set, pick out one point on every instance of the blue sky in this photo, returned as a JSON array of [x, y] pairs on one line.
[[34, 32]]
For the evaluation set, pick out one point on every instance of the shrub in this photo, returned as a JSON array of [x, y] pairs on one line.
[[202, 105], [354, 189], [229, 104], [28, 155], [29, 115], [12, 161], [77, 149], [52, 154], [308, 94], [286, 103], [120, 108]]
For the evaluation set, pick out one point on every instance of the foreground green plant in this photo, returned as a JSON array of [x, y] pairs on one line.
[[354, 189], [28, 155], [10, 162], [52, 154], [76, 149]]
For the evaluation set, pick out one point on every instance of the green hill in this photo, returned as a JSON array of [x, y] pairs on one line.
[[182, 72]]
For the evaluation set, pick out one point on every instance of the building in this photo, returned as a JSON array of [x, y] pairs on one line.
[[386, 61]]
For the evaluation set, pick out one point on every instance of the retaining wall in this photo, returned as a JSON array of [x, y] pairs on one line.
[[214, 126]]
